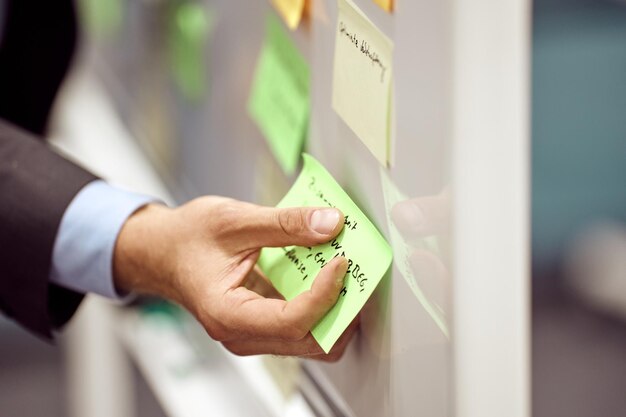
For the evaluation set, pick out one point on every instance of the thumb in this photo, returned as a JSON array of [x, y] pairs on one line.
[[301, 226]]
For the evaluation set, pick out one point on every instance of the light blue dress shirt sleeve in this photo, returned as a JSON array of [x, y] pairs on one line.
[[82, 257]]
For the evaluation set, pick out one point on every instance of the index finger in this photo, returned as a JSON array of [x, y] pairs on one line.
[[260, 317]]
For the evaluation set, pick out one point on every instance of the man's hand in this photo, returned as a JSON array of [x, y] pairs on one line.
[[203, 254]]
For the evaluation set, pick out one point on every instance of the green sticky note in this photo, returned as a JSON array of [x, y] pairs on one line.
[[103, 19], [190, 26], [293, 269], [279, 101]]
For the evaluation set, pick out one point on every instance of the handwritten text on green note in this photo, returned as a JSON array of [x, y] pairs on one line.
[[279, 101], [293, 269]]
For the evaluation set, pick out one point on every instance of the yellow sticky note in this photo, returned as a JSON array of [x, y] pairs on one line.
[[293, 269], [362, 78], [385, 4], [291, 11]]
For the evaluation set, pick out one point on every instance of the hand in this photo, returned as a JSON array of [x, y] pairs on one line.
[[202, 255]]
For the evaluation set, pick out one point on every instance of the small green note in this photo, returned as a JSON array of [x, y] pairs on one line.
[[279, 100], [102, 19], [293, 269], [189, 32]]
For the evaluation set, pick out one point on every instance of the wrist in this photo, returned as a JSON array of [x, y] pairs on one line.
[[142, 253]]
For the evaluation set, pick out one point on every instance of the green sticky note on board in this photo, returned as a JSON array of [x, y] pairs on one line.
[[190, 27], [293, 269], [103, 19], [279, 101]]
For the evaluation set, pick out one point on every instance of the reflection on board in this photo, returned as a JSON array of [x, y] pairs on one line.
[[418, 228]]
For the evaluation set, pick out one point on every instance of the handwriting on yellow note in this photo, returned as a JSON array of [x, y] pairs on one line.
[[362, 78], [291, 11]]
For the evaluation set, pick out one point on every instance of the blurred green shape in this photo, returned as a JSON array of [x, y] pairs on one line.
[[102, 19], [279, 101], [189, 29]]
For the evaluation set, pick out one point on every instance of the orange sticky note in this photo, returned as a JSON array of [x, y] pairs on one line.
[[385, 4], [291, 11]]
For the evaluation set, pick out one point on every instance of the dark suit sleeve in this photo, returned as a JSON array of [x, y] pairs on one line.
[[36, 186]]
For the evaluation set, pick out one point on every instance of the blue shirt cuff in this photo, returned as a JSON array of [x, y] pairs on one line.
[[82, 258]]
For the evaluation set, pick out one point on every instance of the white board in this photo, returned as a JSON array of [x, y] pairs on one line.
[[446, 332]]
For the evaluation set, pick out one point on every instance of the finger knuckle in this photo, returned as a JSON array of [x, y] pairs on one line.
[[223, 216], [292, 221], [216, 329], [295, 332], [235, 349], [211, 326], [217, 333]]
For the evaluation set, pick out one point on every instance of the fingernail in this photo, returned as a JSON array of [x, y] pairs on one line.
[[324, 221], [341, 268]]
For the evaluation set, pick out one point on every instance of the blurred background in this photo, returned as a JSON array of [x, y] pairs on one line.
[[154, 60], [579, 208]]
